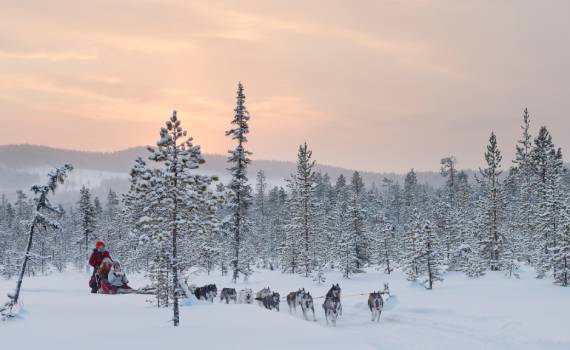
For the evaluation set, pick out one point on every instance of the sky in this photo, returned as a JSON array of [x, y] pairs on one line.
[[370, 85]]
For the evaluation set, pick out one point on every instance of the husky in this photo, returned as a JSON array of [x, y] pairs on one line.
[[271, 301], [375, 303], [260, 295], [293, 299], [228, 294], [207, 292], [306, 302], [332, 305], [245, 296]]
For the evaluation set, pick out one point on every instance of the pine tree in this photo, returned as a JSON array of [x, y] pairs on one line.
[[383, 241], [342, 242], [224, 240], [262, 239], [491, 205], [561, 257], [277, 202], [509, 257], [324, 240], [178, 196], [357, 219], [475, 265], [42, 218], [411, 243], [240, 199], [524, 220], [110, 227], [347, 259], [409, 195], [449, 171], [547, 168], [430, 256], [393, 199], [556, 209], [136, 218], [303, 210], [88, 220]]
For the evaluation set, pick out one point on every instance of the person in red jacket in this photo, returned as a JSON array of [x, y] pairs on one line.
[[99, 253]]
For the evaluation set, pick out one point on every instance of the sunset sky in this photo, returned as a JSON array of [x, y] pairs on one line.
[[371, 85]]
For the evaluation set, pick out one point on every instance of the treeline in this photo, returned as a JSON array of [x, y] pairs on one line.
[[173, 219]]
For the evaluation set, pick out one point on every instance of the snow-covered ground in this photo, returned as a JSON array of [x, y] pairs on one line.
[[488, 313]]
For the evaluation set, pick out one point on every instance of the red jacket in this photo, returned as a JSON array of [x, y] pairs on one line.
[[97, 257]]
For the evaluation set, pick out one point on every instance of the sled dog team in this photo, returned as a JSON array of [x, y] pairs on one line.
[[300, 298], [109, 278]]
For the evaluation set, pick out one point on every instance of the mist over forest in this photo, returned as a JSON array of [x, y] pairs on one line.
[[21, 166]]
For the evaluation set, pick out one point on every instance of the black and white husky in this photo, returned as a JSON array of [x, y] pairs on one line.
[[270, 301], [293, 299], [332, 305], [207, 292], [376, 304], [245, 296], [228, 294], [260, 295], [304, 300]]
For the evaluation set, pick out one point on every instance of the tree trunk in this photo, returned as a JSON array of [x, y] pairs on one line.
[[430, 279], [24, 265]]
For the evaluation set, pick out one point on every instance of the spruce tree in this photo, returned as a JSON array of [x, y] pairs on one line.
[[430, 256], [384, 243], [240, 198], [261, 215], [449, 171], [491, 205], [561, 257], [303, 210], [357, 219], [524, 219], [88, 220], [412, 246], [547, 167]]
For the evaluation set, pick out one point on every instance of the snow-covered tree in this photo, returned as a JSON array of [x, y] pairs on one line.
[[239, 224], [561, 257], [429, 257], [449, 171], [548, 204], [412, 247], [42, 219], [357, 219], [175, 200], [262, 241], [88, 220], [384, 243], [303, 210], [491, 206], [521, 200]]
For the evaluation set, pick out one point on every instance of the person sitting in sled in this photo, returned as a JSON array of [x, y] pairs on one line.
[[99, 254], [118, 281], [102, 275]]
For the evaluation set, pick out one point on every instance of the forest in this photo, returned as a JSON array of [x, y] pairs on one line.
[[172, 219]]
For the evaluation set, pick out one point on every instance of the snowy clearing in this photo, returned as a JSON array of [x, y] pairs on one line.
[[492, 312]]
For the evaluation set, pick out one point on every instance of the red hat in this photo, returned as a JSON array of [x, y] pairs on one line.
[[99, 243]]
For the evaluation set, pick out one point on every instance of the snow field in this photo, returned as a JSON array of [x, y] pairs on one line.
[[492, 312]]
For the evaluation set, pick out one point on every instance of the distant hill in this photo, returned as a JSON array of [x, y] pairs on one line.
[[23, 165]]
